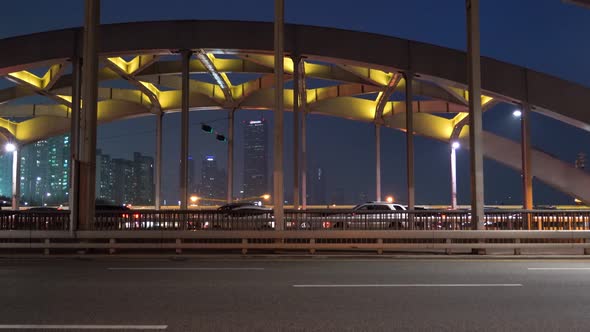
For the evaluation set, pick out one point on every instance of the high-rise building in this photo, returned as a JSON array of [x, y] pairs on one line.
[[213, 181], [193, 185], [6, 174], [122, 177], [45, 171], [143, 178], [122, 181], [104, 178], [255, 158], [318, 187]]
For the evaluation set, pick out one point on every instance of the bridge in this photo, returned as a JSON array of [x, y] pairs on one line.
[[434, 81]]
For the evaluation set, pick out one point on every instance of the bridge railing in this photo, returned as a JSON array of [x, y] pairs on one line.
[[296, 220], [33, 220]]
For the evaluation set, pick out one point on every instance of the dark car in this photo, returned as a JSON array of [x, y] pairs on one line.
[[241, 216]]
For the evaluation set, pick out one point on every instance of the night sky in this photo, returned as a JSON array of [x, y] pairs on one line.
[[544, 35]]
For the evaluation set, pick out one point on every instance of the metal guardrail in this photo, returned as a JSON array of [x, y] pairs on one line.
[[295, 220], [375, 241]]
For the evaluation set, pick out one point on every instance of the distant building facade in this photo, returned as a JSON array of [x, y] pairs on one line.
[[45, 171], [255, 158], [213, 182], [6, 174], [318, 187]]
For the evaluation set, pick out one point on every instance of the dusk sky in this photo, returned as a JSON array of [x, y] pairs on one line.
[[544, 35]]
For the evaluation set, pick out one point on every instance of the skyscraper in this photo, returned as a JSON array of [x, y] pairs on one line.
[[123, 186], [143, 178], [193, 185], [45, 171], [255, 158], [104, 178], [318, 187], [6, 174], [213, 181]]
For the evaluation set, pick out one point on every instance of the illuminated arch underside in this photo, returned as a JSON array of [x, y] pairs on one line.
[[359, 64]]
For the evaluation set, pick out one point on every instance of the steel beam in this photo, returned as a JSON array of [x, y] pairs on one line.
[[304, 110], [384, 96], [230, 156], [378, 162], [278, 173], [453, 178], [159, 156], [89, 114], [410, 139], [184, 129], [527, 174], [221, 78], [74, 194], [16, 178], [41, 85], [475, 113], [146, 88], [296, 125]]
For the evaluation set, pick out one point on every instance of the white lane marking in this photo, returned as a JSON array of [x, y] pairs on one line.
[[406, 285], [185, 268], [558, 268], [82, 327]]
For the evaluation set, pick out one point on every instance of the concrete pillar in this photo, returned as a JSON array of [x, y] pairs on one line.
[[74, 194], [296, 138], [453, 178], [378, 162], [88, 121], [184, 129], [230, 156], [304, 160], [410, 139], [16, 178], [158, 189], [278, 173], [475, 113], [527, 174]]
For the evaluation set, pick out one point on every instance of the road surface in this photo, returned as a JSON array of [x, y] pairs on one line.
[[289, 294]]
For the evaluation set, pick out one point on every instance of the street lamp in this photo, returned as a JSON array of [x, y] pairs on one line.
[[389, 199], [43, 198], [10, 147], [265, 197], [454, 146], [194, 199], [517, 113]]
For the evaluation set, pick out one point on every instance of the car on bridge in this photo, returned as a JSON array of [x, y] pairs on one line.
[[240, 216]]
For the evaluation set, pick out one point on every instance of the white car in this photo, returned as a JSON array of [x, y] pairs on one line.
[[372, 215]]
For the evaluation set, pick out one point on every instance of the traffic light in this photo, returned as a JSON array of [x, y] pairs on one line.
[[207, 128]]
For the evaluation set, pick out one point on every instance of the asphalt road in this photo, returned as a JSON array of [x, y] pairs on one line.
[[294, 295]]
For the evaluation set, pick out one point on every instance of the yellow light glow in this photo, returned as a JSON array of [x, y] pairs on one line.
[[194, 199], [265, 197], [389, 199]]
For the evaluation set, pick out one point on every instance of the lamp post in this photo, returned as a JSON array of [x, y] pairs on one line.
[[454, 146], [12, 148]]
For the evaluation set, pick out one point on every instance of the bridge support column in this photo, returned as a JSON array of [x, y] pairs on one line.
[[278, 174], [88, 116], [527, 175], [410, 139], [158, 187], [16, 178], [184, 129], [296, 138], [378, 162], [475, 113], [304, 160], [230, 156], [74, 194]]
